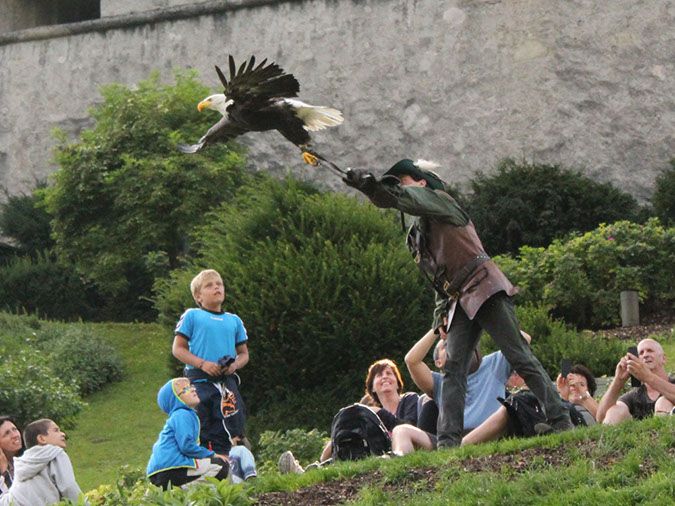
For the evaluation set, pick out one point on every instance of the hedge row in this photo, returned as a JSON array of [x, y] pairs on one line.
[[48, 368], [581, 279]]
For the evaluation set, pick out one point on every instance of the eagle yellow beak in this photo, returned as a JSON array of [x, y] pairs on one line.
[[202, 104]]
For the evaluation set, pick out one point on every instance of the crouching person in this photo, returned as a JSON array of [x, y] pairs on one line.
[[177, 458], [43, 474]]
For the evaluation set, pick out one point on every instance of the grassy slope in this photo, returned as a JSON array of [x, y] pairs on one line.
[[122, 422], [630, 464]]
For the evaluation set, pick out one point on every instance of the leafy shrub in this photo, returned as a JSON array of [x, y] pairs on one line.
[[125, 199], [24, 220], [30, 391], [73, 354], [214, 493], [324, 286], [552, 340], [88, 360], [305, 445], [44, 286], [581, 279], [663, 198], [531, 204]]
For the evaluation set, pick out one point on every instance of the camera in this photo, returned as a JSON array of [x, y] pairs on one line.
[[225, 361]]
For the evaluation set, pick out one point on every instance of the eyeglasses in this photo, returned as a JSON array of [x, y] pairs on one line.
[[186, 389]]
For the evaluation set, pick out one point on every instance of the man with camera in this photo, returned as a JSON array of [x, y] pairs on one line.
[[655, 394]]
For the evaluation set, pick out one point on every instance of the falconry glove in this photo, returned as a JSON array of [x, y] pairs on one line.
[[360, 179]]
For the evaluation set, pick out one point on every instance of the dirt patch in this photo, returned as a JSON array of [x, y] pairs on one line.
[[321, 494], [657, 323]]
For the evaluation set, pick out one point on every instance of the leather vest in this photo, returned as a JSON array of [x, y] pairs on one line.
[[455, 262]]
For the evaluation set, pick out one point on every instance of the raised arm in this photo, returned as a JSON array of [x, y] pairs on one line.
[[416, 201], [638, 369], [414, 359], [613, 393]]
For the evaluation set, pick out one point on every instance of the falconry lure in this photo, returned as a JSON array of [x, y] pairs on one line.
[[257, 99]]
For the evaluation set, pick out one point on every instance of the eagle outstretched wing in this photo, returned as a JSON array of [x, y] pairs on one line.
[[259, 84], [222, 131]]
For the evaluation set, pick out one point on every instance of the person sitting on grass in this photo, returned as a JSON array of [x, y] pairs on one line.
[[486, 381], [177, 458], [43, 474], [640, 402], [384, 395], [522, 412], [10, 447]]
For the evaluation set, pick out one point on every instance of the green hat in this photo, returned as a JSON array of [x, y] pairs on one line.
[[407, 166]]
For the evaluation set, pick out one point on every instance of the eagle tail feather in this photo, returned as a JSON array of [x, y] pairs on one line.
[[319, 117]]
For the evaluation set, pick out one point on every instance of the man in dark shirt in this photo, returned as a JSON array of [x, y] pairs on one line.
[[650, 369]]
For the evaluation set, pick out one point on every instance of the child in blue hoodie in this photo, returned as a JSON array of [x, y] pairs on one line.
[[177, 458]]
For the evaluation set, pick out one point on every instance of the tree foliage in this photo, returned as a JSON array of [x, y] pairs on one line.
[[532, 204], [324, 286], [26, 222], [124, 199]]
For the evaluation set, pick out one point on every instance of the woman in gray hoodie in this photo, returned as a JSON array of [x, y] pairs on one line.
[[43, 475]]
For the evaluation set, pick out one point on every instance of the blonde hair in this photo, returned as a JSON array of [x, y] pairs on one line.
[[198, 281]]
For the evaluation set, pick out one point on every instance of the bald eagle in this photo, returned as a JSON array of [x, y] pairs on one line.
[[260, 99]]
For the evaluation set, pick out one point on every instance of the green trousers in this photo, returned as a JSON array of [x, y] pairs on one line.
[[498, 318]]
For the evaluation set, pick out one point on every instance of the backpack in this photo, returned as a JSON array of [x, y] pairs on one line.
[[580, 415], [357, 432]]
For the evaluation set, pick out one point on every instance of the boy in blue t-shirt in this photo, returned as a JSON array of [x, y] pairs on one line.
[[212, 344]]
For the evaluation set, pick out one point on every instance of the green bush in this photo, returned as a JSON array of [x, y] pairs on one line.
[[85, 358], [30, 391], [324, 286], [24, 219], [45, 287], [125, 199], [214, 493], [581, 279], [663, 198], [305, 445], [73, 354], [552, 340], [532, 204]]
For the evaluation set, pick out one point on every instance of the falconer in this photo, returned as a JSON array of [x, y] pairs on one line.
[[472, 293]]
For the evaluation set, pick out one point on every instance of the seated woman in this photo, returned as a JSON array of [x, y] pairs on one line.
[[384, 395], [521, 411], [10, 447]]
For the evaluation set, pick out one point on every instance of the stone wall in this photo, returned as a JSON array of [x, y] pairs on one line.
[[582, 83]]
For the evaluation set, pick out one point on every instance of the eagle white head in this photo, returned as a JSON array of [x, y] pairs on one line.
[[217, 102]]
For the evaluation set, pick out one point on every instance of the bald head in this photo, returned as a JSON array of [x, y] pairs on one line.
[[650, 343], [652, 355]]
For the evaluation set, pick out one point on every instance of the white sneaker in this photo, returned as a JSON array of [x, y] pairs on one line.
[[288, 465]]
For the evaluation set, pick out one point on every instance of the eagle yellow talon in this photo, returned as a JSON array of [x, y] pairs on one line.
[[310, 159]]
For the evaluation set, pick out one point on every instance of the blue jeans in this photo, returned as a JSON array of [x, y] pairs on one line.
[[242, 464]]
